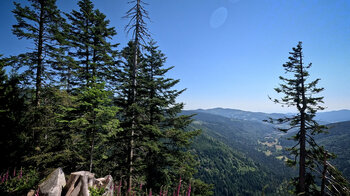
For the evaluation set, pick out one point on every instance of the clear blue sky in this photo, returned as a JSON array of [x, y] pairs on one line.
[[229, 53]]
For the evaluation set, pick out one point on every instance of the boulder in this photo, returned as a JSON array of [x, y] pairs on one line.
[[78, 184], [108, 185], [53, 184], [31, 192]]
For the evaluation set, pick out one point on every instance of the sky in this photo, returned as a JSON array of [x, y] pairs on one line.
[[229, 53]]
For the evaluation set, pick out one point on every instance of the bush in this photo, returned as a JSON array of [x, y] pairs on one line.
[[19, 184]]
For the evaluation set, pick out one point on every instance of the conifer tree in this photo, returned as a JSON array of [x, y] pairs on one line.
[[40, 23], [164, 136], [161, 138], [12, 113], [137, 15], [93, 122], [300, 93], [93, 54]]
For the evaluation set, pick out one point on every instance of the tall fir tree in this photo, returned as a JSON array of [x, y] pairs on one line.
[[41, 22], [89, 40], [164, 136], [137, 15], [300, 94]]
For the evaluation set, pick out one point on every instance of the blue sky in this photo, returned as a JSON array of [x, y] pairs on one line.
[[229, 53]]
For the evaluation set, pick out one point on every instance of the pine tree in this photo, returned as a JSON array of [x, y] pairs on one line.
[[299, 93], [164, 136], [137, 15], [93, 54], [93, 122], [12, 110], [40, 23]]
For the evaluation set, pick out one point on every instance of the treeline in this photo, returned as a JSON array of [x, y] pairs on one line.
[[79, 101]]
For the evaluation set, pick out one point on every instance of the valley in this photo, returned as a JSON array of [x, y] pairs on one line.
[[237, 149]]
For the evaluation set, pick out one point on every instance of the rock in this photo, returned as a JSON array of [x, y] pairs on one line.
[[78, 184], [108, 185], [31, 193], [53, 184]]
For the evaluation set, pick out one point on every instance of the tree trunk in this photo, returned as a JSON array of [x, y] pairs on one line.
[[92, 149], [323, 185], [39, 67], [302, 140], [301, 185]]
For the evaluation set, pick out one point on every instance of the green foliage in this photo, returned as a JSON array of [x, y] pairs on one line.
[[96, 191], [19, 184], [91, 54]]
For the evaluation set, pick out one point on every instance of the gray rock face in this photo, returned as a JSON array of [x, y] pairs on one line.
[[53, 184], [78, 183], [108, 184]]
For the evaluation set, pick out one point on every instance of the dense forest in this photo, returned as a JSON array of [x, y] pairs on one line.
[[79, 100]]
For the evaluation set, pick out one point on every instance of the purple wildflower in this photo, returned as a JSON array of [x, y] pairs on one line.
[[37, 192], [7, 175], [14, 172], [20, 174], [178, 188], [189, 190], [120, 186]]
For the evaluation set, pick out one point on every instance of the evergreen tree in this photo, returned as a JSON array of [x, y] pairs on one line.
[[92, 119], [161, 138], [12, 110], [40, 23], [137, 15], [93, 55], [164, 136], [299, 93]]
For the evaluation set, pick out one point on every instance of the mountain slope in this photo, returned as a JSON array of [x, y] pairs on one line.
[[230, 171], [229, 156], [337, 141]]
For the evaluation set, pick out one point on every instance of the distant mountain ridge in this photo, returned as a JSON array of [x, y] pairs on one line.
[[325, 117]]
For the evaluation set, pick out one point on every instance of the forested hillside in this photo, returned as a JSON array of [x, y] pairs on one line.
[[336, 140], [230, 146]]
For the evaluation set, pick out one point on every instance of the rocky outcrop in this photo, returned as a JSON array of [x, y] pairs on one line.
[[78, 184], [53, 184]]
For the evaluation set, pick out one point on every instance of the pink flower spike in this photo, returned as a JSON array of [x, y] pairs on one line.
[[150, 192], [178, 188], [141, 186], [14, 172], [20, 174], [160, 192], [7, 175], [120, 186], [37, 192], [189, 190]]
